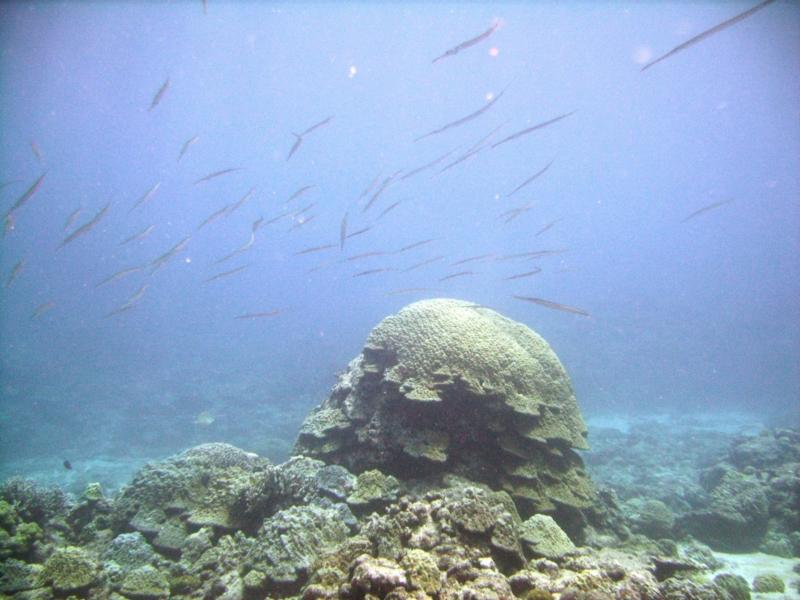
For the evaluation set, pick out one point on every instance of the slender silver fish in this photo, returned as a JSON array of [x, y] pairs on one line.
[[132, 301], [528, 130], [700, 211], [554, 305], [120, 275], [462, 120], [86, 227], [546, 227], [226, 273], [186, 145], [159, 94], [530, 179], [146, 196], [343, 231], [139, 235], [72, 217], [216, 174], [708, 33], [164, 258], [27, 195], [468, 43], [15, 271], [42, 308], [260, 315]]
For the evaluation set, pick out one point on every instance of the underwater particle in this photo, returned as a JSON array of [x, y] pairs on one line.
[[494, 52], [352, 71]]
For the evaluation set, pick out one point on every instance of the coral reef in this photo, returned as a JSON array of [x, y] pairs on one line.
[[450, 387]]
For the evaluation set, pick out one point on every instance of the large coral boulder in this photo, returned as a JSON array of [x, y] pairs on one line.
[[450, 387]]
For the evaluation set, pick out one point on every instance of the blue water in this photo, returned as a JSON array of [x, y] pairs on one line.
[[701, 316]]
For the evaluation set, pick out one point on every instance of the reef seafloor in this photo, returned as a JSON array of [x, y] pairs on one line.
[[447, 462]]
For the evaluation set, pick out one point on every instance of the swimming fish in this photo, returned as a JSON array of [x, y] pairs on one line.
[[530, 179], [380, 190], [86, 227], [512, 214], [259, 315], [132, 301], [138, 236], [454, 275], [470, 259], [554, 305], [36, 151], [546, 227], [27, 195], [119, 275], [462, 120], [164, 258], [216, 174], [415, 245], [423, 263], [42, 308], [388, 209], [528, 130], [299, 192], [468, 43], [226, 273], [315, 249], [236, 205], [433, 163], [373, 271], [522, 275], [700, 211], [71, 218], [359, 231], [343, 231], [15, 271], [410, 290], [159, 94], [147, 195], [300, 136], [186, 145], [67, 465], [216, 215], [367, 255], [246, 246], [708, 33]]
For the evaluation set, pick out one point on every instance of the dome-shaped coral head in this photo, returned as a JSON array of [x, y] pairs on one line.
[[452, 387]]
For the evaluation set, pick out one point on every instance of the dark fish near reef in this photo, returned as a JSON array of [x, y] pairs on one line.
[[15, 271], [530, 179], [528, 130], [260, 315], [462, 120], [216, 174], [139, 235], [41, 309], [147, 195], [468, 43], [186, 145], [67, 465], [159, 95], [700, 211], [27, 195], [554, 305], [708, 33], [86, 227]]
